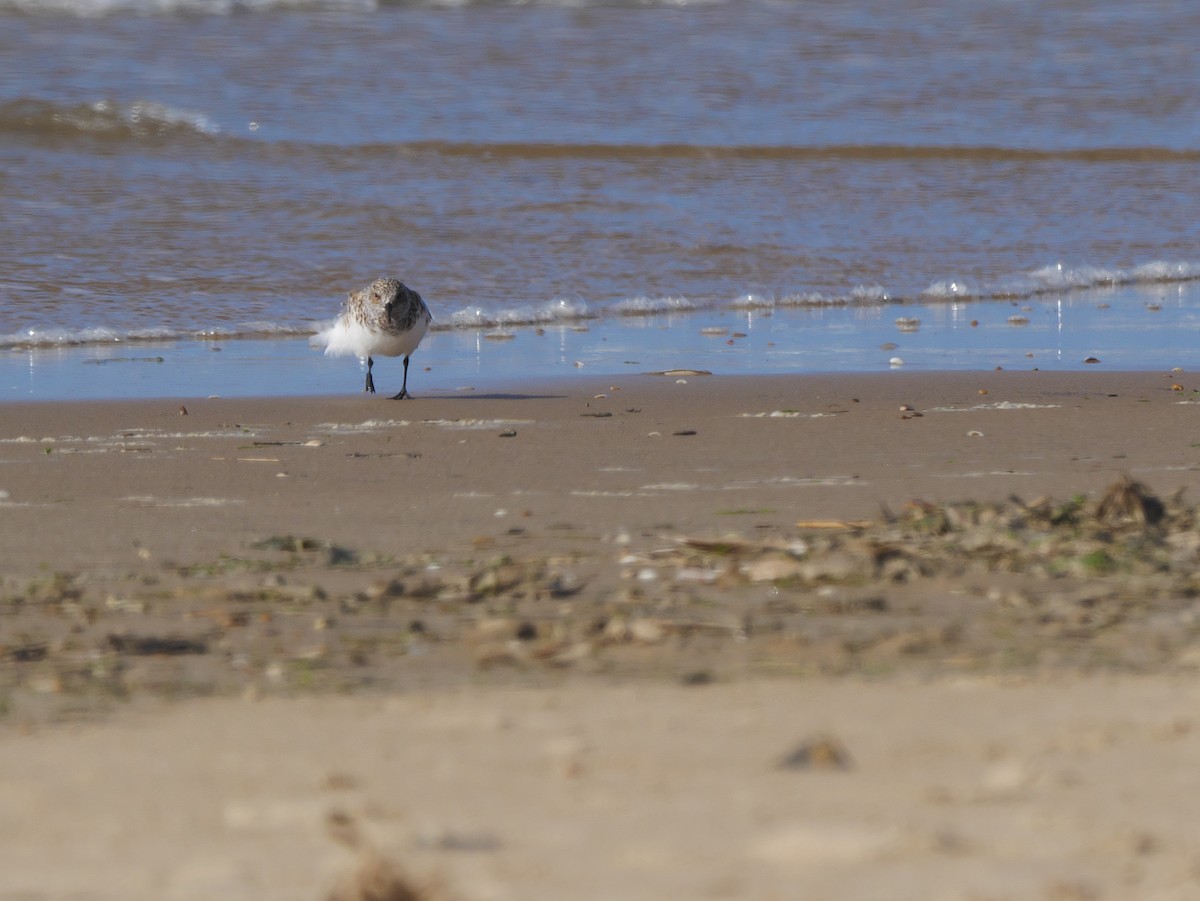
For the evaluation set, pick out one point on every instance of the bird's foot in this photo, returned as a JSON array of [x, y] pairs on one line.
[[403, 394], [370, 386]]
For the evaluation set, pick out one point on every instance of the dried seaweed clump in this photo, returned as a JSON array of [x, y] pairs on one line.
[[1127, 501], [376, 877], [1128, 530]]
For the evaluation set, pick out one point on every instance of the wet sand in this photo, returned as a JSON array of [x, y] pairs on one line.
[[572, 640]]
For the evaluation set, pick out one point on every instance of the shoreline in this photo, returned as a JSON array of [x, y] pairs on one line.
[[1115, 325]]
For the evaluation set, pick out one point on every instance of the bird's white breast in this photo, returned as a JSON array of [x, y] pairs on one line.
[[349, 337]]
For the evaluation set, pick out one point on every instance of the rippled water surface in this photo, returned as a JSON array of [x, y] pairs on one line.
[[741, 185]]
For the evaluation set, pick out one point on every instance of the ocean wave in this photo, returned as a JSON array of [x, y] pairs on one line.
[[139, 120], [99, 8], [958, 288], [1060, 278], [558, 310], [50, 338], [753, 302], [148, 119], [869, 294], [860, 295], [93, 8], [654, 306], [785, 152]]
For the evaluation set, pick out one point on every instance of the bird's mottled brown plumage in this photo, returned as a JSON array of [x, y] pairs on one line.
[[386, 318]]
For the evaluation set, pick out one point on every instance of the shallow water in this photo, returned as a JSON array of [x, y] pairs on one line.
[[1111, 327], [213, 175]]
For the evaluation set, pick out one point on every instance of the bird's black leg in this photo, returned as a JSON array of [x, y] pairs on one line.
[[404, 387], [370, 388]]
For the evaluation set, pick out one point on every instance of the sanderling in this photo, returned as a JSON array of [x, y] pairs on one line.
[[386, 317]]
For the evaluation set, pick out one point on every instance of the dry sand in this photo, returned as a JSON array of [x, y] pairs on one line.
[[675, 636]]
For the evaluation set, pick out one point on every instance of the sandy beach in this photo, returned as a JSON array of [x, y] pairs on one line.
[[667, 636]]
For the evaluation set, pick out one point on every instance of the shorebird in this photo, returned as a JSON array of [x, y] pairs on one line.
[[386, 318]]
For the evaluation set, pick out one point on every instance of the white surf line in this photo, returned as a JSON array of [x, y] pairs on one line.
[[981, 475], [147, 433], [473, 424], [128, 436], [581, 492], [149, 500], [657, 489], [799, 482], [370, 425], [110, 449], [999, 405], [789, 414], [5, 502]]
